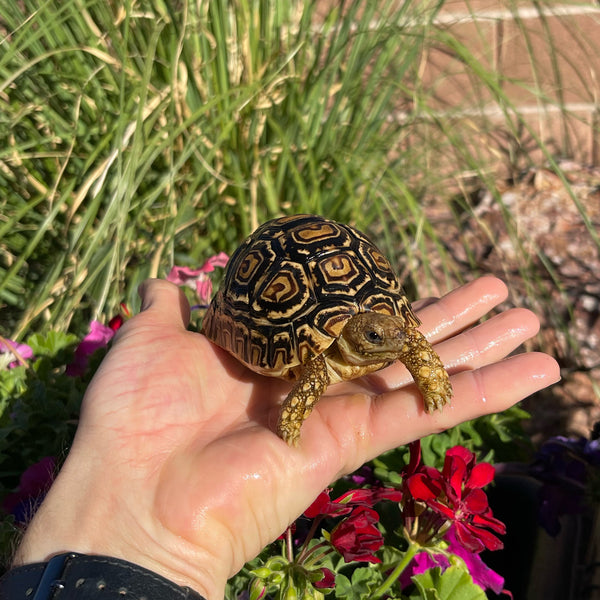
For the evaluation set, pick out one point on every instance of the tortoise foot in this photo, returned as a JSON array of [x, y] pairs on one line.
[[427, 370]]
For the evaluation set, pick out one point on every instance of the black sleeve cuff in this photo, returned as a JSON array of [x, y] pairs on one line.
[[74, 576]]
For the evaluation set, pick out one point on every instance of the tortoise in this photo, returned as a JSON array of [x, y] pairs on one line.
[[314, 301]]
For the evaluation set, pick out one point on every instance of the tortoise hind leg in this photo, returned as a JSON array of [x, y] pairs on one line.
[[426, 368], [307, 390]]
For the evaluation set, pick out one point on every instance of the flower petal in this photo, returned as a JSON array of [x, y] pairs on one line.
[[20, 352], [482, 575], [481, 475], [476, 501], [422, 487], [97, 338], [327, 580], [356, 537]]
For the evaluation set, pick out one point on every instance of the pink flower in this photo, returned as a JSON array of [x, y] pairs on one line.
[[97, 338], [15, 354], [33, 485], [197, 278], [482, 575], [422, 562], [357, 537]]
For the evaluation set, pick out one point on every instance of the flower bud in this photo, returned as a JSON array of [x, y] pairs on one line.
[[257, 589], [290, 593], [276, 577], [322, 578], [311, 594], [261, 572]]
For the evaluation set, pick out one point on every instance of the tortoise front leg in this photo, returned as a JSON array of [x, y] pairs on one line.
[[312, 382], [424, 364]]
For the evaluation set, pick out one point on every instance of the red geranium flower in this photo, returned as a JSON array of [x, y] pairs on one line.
[[420, 482], [343, 505], [435, 500], [327, 580], [323, 505], [357, 537], [370, 496], [465, 504]]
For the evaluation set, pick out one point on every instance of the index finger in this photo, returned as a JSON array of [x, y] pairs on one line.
[[461, 308]]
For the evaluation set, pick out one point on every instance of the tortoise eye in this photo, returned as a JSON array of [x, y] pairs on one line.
[[373, 337]]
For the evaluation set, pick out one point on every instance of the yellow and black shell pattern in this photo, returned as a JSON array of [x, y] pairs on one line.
[[291, 286]]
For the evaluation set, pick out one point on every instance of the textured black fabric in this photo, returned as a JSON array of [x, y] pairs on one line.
[[77, 577]]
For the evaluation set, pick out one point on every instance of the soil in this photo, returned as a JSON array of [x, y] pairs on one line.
[[548, 252]]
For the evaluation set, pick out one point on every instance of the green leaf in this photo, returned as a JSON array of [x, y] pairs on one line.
[[51, 343], [364, 581], [453, 584]]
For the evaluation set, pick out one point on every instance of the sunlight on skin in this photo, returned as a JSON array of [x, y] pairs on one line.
[[176, 465]]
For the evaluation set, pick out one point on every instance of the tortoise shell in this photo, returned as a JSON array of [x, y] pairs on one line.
[[290, 288]]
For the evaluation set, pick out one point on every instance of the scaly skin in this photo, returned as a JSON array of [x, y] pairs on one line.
[[313, 381], [368, 342], [426, 368]]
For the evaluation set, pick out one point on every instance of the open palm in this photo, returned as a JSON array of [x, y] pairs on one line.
[[176, 465]]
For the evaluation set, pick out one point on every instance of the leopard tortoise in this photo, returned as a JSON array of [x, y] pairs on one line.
[[311, 300]]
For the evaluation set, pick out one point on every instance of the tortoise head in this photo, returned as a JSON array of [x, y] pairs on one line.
[[373, 337]]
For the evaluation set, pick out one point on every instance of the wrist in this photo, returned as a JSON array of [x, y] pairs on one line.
[[78, 517]]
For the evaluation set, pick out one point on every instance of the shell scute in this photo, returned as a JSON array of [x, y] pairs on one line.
[[283, 293]]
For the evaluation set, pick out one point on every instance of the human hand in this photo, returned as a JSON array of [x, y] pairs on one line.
[[176, 467]]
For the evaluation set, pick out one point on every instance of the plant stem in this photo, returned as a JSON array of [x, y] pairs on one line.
[[309, 536], [288, 544], [387, 584], [315, 559]]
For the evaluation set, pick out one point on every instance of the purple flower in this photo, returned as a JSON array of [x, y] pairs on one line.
[[98, 337], [567, 468], [482, 575], [33, 485], [363, 476], [13, 354], [422, 562]]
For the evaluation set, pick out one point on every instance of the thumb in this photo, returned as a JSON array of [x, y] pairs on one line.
[[164, 303]]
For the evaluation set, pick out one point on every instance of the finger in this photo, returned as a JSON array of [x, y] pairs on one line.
[[490, 341], [489, 389], [481, 345], [364, 427], [164, 302], [421, 303], [461, 308]]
